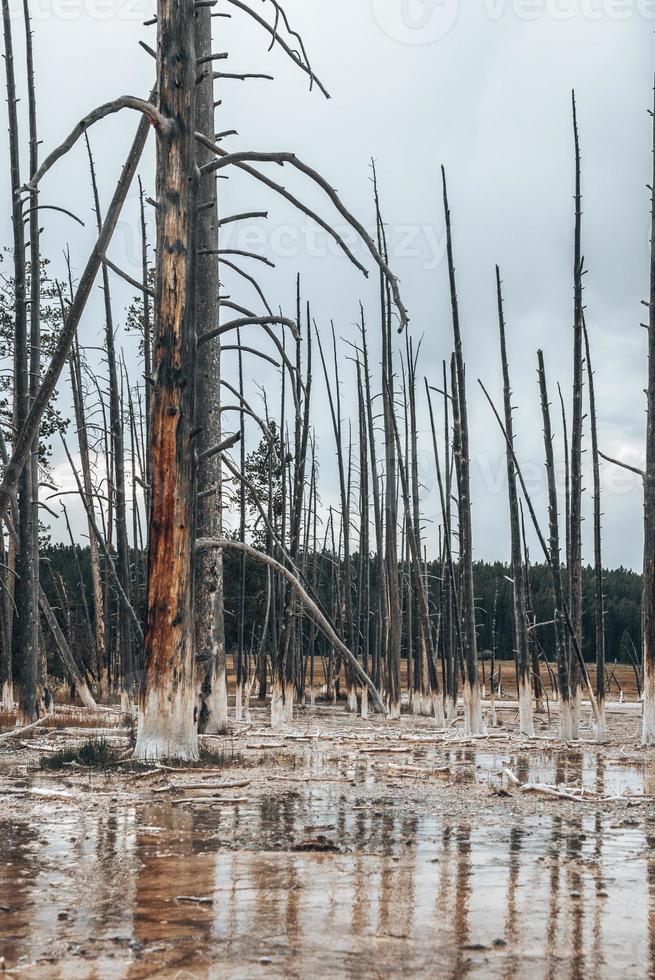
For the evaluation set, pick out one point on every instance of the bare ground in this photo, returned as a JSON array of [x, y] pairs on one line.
[[339, 848]]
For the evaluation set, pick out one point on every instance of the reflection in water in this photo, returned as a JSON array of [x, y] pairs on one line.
[[141, 889]]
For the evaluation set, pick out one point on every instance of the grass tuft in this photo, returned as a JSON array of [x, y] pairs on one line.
[[94, 754]]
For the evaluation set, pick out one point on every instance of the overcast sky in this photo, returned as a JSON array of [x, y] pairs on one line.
[[483, 87]]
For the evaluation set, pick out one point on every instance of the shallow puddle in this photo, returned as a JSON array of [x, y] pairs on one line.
[[319, 882]]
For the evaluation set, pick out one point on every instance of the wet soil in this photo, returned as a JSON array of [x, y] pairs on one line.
[[340, 848]]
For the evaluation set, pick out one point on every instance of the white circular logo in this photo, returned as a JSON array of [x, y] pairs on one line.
[[415, 21]]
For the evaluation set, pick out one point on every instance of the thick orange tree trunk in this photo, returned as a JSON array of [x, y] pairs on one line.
[[167, 723]]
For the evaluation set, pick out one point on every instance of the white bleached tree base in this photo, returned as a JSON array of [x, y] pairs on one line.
[[7, 696], [167, 727], [364, 703], [576, 714], [277, 704], [289, 691], [215, 703], [600, 723], [526, 716], [352, 699], [451, 709], [566, 721], [394, 711], [238, 703], [473, 720], [438, 711], [648, 722]]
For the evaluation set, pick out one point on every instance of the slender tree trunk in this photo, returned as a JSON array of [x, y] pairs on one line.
[[128, 680], [209, 595], [334, 401], [472, 704], [94, 555], [648, 597], [35, 319], [598, 551], [575, 568], [522, 653], [566, 719], [382, 600], [167, 717], [6, 667], [25, 631], [147, 325], [390, 489]]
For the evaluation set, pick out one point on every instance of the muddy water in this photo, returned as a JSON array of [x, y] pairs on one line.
[[335, 879]]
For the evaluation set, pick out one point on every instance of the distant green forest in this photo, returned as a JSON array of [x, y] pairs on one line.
[[65, 571]]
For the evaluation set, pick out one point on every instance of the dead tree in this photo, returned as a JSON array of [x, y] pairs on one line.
[[648, 597], [25, 629], [167, 702], [381, 598], [394, 637], [334, 401], [598, 549], [364, 577], [450, 566], [426, 700], [419, 582], [127, 679], [563, 608], [94, 556], [575, 568], [35, 324], [449, 640], [472, 703], [209, 611], [566, 712], [522, 652]]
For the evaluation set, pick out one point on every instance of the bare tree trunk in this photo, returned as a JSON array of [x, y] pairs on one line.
[[449, 639], [118, 452], [648, 597], [6, 667], [334, 401], [472, 704], [598, 551], [529, 612], [364, 584], [35, 318], [419, 583], [167, 715], [575, 569], [450, 565], [209, 611], [430, 700], [382, 600], [25, 631], [565, 709], [526, 723], [147, 322], [390, 488], [94, 556]]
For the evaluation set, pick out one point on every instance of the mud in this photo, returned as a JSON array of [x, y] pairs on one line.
[[340, 848]]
